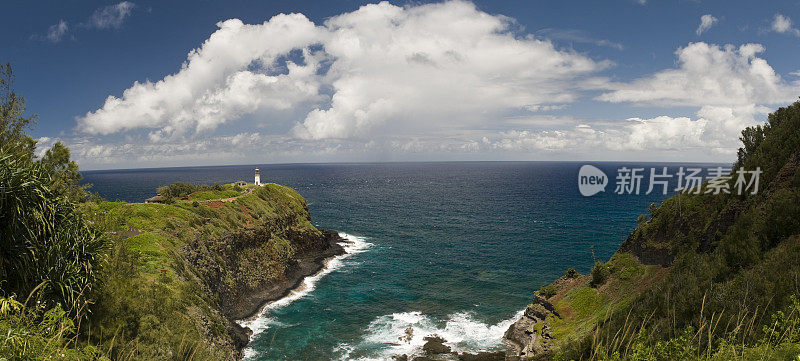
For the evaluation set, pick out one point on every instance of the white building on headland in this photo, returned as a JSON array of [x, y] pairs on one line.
[[258, 178]]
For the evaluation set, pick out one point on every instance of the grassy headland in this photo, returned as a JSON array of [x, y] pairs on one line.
[[179, 273], [82, 278]]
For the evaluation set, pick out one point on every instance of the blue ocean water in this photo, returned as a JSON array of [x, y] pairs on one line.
[[454, 249]]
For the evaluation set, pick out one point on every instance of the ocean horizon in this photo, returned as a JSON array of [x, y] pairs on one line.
[[447, 248]]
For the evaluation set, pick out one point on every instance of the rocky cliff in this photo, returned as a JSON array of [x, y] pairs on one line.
[[181, 274]]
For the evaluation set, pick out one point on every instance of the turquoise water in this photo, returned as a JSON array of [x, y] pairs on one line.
[[454, 249]]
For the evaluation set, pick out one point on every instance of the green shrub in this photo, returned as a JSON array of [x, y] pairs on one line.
[[45, 243], [36, 334], [571, 273], [600, 273], [547, 291]]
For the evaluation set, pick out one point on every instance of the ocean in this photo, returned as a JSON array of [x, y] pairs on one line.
[[454, 249]]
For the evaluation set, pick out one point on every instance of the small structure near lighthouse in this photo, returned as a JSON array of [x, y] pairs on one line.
[[258, 178]]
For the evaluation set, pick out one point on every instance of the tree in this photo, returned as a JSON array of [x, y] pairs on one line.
[[751, 138], [46, 245], [63, 172], [13, 124], [14, 140]]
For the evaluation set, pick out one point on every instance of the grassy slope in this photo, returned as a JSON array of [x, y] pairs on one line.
[[720, 264], [153, 305]]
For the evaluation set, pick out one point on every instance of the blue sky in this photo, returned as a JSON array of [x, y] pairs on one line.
[[533, 80]]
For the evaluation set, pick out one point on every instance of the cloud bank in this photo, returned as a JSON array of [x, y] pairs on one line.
[[444, 81], [383, 67]]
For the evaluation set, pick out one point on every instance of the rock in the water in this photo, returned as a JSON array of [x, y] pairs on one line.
[[435, 345]]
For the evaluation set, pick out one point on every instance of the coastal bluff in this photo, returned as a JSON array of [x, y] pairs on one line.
[[725, 264], [195, 266]]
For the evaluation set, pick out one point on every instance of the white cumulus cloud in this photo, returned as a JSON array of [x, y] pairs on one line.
[[218, 81], [709, 135], [730, 85], [708, 75], [433, 81], [381, 67]]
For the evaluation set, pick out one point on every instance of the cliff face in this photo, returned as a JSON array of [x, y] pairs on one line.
[[182, 273], [530, 335], [696, 256]]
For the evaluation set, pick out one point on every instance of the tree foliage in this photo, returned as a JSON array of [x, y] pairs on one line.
[[182, 189], [64, 173], [13, 122]]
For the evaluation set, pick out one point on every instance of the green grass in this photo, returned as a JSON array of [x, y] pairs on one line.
[[584, 306], [154, 302], [585, 301], [211, 195], [625, 266]]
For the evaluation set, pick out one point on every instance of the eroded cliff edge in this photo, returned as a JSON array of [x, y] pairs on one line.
[[181, 274]]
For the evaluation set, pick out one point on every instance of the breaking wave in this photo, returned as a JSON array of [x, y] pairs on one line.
[[404, 333], [263, 321]]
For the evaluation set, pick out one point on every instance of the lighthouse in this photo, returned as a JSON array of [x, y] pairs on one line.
[[258, 178]]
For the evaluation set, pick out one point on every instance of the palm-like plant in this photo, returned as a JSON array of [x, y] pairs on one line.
[[43, 238]]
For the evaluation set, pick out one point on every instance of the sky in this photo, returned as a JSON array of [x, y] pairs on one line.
[[137, 84]]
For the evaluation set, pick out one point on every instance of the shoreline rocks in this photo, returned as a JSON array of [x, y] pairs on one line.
[[308, 262], [231, 272], [435, 349], [530, 335]]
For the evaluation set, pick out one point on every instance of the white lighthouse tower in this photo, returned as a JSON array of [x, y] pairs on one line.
[[258, 178]]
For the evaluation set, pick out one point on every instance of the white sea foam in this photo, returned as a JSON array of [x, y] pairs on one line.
[[352, 245], [387, 336]]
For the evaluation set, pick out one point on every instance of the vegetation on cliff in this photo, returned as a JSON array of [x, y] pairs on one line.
[[703, 276], [82, 278], [172, 266]]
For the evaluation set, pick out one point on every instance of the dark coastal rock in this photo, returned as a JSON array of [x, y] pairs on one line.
[[226, 269], [240, 336], [435, 349], [530, 335], [308, 261], [435, 346]]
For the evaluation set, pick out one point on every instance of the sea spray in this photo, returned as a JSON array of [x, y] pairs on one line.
[[261, 322], [389, 335]]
